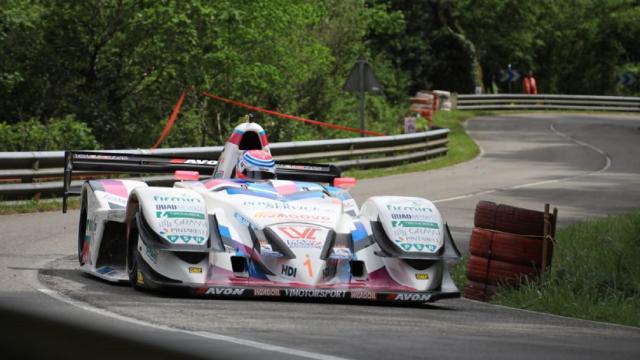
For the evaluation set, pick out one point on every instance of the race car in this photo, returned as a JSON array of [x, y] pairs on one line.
[[256, 227]]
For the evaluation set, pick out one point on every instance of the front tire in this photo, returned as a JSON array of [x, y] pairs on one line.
[[136, 276]]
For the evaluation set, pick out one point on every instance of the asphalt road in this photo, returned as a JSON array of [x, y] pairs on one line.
[[586, 166]]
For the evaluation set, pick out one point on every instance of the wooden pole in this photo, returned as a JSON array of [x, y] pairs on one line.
[[546, 235]]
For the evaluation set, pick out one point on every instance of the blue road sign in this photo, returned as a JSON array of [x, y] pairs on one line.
[[509, 75], [627, 79]]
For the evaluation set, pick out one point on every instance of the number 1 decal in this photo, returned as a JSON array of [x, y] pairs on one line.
[[307, 263]]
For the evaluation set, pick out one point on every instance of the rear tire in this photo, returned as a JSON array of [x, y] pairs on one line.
[[82, 228]]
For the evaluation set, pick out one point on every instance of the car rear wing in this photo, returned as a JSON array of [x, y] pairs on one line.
[[111, 162]]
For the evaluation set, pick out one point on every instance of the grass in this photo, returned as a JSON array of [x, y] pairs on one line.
[[595, 274], [461, 147], [31, 206]]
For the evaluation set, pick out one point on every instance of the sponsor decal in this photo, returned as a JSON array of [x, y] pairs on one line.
[[412, 297], [152, 254], [180, 230], [364, 295], [176, 199], [284, 216], [302, 237], [297, 232], [427, 237], [417, 232], [114, 198], [350, 206], [308, 265], [189, 222], [195, 270], [400, 216], [303, 244], [266, 250], [278, 205], [200, 162], [225, 291], [340, 253], [166, 207], [241, 219], [266, 292], [289, 271], [181, 207], [418, 247], [422, 276], [104, 270], [413, 224], [186, 239], [102, 157], [179, 215], [318, 293], [412, 207], [416, 235], [171, 226]]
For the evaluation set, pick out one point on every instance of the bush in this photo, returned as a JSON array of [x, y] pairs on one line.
[[59, 134], [67, 133]]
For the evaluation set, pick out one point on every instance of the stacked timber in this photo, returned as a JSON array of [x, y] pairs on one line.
[[508, 245]]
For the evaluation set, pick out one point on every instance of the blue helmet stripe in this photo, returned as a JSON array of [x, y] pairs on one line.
[[257, 162]]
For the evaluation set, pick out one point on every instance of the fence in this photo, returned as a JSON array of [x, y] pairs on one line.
[[26, 174], [547, 102]]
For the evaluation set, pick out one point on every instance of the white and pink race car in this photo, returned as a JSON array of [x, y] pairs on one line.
[[300, 235]]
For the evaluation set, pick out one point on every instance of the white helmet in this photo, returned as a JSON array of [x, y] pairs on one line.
[[256, 165]]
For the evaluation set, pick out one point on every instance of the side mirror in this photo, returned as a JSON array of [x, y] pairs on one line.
[[344, 182], [182, 175]]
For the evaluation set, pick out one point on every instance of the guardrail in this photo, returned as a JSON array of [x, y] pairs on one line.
[[547, 102], [26, 174]]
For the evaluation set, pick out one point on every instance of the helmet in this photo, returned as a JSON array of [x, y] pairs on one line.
[[256, 165]]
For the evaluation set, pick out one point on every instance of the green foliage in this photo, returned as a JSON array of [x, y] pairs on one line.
[[594, 274], [573, 47], [59, 134], [120, 66], [68, 133]]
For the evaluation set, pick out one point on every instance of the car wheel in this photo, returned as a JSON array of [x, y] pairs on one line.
[[82, 229], [136, 276]]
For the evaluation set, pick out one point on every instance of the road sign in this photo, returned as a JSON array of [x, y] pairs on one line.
[[409, 124], [361, 80], [627, 79], [509, 75]]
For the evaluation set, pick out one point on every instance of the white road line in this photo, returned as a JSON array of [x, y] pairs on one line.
[[606, 166], [208, 335]]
